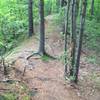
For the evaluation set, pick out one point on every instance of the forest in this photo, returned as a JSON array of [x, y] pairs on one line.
[[50, 50]]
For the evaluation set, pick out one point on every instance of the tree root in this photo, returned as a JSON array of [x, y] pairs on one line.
[[41, 54]]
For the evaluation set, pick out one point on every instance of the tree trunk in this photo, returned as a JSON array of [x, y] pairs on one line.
[[77, 3], [41, 50], [63, 3], [66, 34], [58, 5], [92, 7], [82, 23], [30, 13], [42, 29], [73, 33]]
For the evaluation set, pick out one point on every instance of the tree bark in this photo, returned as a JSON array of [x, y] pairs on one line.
[[66, 34], [63, 3], [77, 6], [30, 13], [73, 35], [42, 28], [82, 23], [92, 7]]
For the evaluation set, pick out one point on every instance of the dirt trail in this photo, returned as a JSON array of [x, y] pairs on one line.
[[45, 78]]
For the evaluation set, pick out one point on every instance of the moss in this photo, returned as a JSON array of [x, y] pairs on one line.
[[8, 96], [45, 58], [26, 98]]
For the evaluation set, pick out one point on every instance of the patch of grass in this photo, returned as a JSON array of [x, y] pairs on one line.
[[20, 90], [45, 58], [26, 97], [95, 77], [92, 59], [8, 96]]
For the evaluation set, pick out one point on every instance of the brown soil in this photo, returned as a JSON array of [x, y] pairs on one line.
[[45, 79]]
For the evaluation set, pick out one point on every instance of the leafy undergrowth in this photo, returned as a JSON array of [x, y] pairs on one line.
[[92, 33], [14, 90]]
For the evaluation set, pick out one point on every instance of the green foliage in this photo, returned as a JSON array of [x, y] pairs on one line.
[[70, 78], [96, 10], [59, 17], [92, 34], [21, 91], [51, 6], [45, 58], [13, 21], [26, 98], [92, 59], [2, 49], [8, 96], [95, 77]]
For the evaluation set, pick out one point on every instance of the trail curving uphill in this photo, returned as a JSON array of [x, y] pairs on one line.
[[44, 78]]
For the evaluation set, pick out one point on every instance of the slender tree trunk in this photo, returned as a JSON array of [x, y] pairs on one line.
[[66, 33], [92, 7], [58, 5], [50, 10], [30, 11], [82, 23], [77, 3], [62, 3], [80, 10], [41, 50], [42, 28], [73, 32], [5, 67]]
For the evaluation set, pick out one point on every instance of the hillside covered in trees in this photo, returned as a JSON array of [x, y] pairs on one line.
[[50, 50]]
